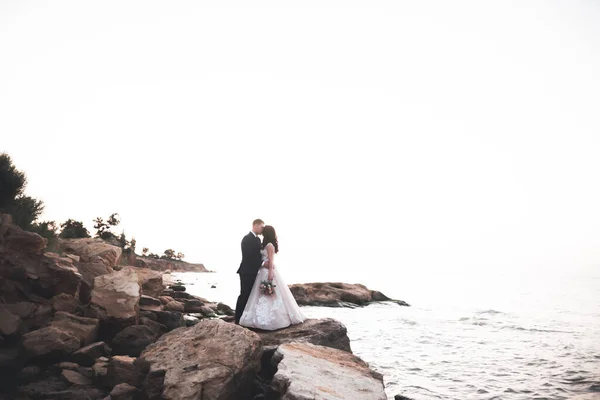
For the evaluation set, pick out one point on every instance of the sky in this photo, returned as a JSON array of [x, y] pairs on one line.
[[377, 137]]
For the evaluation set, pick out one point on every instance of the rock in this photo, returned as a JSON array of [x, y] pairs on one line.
[[306, 371], [207, 312], [43, 275], [10, 324], [150, 303], [66, 303], [336, 295], [191, 363], [16, 240], [29, 373], [68, 365], [150, 281], [99, 369], [193, 305], [85, 329], [170, 319], [225, 309], [158, 329], [168, 265], [121, 369], [89, 271], [124, 391], [87, 355], [49, 343], [400, 397], [165, 299], [177, 288], [174, 306], [133, 339], [89, 248], [323, 332], [40, 389], [190, 320], [73, 257], [115, 301], [75, 378], [33, 316], [181, 295], [8, 357]]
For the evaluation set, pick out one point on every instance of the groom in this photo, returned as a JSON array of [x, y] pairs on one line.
[[251, 262]]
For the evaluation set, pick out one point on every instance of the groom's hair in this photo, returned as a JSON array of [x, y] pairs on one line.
[[258, 222]]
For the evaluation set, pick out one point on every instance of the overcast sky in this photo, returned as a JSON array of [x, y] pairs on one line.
[[421, 134]]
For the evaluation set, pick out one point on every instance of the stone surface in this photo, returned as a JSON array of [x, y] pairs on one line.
[[10, 324], [116, 296], [133, 339], [150, 281], [90, 248], [85, 329], [324, 332], [337, 294], [32, 315], [121, 369], [49, 342], [212, 360], [170, 319], [67, 303], [306, 371], [99, 370], [87, 355], [124, 391], [75, 378], [174, 306], [89, 271], [157, 328]]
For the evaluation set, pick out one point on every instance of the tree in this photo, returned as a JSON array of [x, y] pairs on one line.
[[169, 254], [145, 251], [12, 181], [71, 229], [46, 229], [180, 256], [103, 228]]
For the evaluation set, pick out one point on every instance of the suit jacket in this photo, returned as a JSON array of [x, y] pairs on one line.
[[251, 257]]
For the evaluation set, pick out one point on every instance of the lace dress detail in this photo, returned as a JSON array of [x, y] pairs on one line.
[[273, 312]]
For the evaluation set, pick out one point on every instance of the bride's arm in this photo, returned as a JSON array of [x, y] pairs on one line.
[[270, 263]]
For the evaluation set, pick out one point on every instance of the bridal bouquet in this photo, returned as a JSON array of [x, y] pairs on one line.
[[267, 288]]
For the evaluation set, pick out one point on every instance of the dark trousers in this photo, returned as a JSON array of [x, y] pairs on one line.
[[246, 283]]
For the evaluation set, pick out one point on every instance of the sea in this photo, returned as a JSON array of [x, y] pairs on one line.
[[504, 335]]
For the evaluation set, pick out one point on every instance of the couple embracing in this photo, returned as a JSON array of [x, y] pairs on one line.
[[265, 301]]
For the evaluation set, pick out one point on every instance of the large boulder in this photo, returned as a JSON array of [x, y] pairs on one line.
[[121, 369], [170, 319], [133, 340], [115, 301], [88, 355], [32, 315], [85, 329], [324, 332], [67, 303], [10, 324], [306, 371], [49, 343], [89, 248], [89, 270], [337, 295], [212, 360], [150, 281], [25, 276], [15, 240]]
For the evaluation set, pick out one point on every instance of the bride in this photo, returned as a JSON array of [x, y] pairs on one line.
[[270, 311]]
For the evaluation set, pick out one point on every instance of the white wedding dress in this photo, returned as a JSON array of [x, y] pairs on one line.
[[272, 312]]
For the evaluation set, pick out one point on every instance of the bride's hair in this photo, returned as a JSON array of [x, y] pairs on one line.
[[270, 236]]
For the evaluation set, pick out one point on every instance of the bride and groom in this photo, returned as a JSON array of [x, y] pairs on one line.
[[265, 301]]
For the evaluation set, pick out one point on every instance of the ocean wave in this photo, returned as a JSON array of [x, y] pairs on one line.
[[489, 312], [520, 328]]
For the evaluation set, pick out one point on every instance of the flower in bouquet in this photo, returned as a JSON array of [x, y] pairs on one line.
[[267, 288]]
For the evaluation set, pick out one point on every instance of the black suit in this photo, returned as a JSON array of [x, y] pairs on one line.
[[251, 263]]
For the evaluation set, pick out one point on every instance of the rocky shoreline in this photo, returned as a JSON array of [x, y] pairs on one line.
[[81, 326]]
